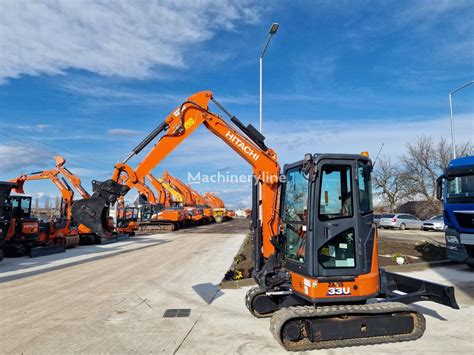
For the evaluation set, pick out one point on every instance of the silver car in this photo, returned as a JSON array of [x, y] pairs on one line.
[[400, 221], [435, 223], [377, 219]]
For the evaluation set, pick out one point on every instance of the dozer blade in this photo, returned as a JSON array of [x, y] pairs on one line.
[[415, 290], [46, 250], [308, 328], [93, 212]]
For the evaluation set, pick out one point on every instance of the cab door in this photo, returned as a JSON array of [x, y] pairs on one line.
[[336, 221]]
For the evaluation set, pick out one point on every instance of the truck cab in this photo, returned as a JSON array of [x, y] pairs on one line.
[[456, 190]]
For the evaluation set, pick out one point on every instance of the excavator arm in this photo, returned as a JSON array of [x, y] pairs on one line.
[[161, 192], [73, 179], [213, 200], [197, 197], [174, 192], [246, 141], [188, 198]]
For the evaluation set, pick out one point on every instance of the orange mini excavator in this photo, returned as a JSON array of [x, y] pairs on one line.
[[57, 234], [315, 243]]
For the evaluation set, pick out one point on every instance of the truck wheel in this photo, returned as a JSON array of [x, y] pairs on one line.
[[403, 227], [470, 265], [2, 254]]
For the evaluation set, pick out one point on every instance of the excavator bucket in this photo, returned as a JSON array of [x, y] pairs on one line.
[[93, 212]]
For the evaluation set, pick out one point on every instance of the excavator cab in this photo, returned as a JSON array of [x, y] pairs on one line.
[[5, 212], [327, 217]]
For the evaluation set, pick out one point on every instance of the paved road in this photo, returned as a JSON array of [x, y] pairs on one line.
[[116, 305]]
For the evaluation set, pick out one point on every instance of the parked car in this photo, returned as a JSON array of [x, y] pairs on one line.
[[377, 219], [435, 223], [400, 221]]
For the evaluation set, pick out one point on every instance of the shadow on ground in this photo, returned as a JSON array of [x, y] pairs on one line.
[[208, 292]]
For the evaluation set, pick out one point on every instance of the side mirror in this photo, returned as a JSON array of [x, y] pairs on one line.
[[439, 187]]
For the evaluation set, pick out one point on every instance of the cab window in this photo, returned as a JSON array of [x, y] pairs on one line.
[[335, 192], [365, 187], [295, 206], [339, 252]]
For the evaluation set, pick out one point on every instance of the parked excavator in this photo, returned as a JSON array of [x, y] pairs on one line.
[[192, 215], [62, 230], [221, 213], [199, 216], [201, 203], [127, 218], [315, 243], [162, 215], [6, 210]]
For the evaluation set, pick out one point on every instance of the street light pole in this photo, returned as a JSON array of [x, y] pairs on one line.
[[271, 32], [453, 144]]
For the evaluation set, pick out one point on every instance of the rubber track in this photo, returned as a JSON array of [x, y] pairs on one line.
[[157, 228], [285, 314], [249, 296]]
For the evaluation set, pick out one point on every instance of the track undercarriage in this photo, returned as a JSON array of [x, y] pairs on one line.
[[158, 227], [299, 325]]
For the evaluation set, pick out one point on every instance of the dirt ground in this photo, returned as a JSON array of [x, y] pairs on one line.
[[413, 246]]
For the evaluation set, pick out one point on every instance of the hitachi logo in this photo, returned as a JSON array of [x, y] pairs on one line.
[[246, 149]]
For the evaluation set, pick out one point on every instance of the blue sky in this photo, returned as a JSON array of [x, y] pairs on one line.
[[89, 80]]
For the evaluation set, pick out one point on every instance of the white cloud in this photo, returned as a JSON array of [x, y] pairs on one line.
[[345, 136], [121, 37], [124, 96], [122, 132], [41, 127], [16, 157]]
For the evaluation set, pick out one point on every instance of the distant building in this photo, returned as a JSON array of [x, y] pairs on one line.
[[240, 213]]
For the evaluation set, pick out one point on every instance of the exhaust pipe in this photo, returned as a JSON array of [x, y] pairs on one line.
[[94, 212]]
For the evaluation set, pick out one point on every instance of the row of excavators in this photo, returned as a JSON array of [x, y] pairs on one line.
[[172, 206], [314, 241]]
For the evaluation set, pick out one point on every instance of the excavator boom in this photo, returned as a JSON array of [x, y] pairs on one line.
[[184, 120]]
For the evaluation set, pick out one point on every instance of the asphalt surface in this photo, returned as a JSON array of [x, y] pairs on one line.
[[115, 303]]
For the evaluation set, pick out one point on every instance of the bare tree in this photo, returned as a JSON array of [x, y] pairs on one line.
[[424, 161], [388, 183]]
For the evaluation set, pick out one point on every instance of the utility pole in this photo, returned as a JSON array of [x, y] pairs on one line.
[[453, 144], [271, 32]]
